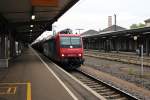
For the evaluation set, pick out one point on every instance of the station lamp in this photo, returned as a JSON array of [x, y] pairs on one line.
[[31, 26], [135, 38], [33, 17], [31, 30]]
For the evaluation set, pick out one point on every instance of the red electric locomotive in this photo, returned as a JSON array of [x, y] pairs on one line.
[[65, 48]]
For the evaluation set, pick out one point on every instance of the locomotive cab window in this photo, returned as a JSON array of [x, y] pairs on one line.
[[65, 41], [73, 41]]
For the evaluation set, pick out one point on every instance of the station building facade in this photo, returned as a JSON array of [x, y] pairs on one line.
[[117, 39]]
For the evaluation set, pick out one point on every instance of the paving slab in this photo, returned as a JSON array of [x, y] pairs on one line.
[[27, 78]]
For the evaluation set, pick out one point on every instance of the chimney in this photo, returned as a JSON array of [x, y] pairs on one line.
[[109, 21], [115, 22]]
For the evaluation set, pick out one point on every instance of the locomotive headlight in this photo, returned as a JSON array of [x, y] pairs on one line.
[[79, 54], [62, 55]]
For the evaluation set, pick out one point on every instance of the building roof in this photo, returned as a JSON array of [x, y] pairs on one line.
[[128, 32], [89, 32], [147, 20], [113, 28]]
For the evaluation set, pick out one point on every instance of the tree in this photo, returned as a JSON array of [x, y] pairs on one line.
[[134, 26], [141, 25]]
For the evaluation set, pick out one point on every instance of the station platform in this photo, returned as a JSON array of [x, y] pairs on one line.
[[27, 78], [125, 57]]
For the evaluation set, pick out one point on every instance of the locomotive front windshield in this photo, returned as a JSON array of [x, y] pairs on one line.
[[70, 41]]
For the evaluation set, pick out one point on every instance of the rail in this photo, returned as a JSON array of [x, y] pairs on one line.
[[108, 91]]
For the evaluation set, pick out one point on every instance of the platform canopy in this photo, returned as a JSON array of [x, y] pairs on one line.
[[18, 15]]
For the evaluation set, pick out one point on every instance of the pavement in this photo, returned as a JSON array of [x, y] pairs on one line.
[[27, 78]]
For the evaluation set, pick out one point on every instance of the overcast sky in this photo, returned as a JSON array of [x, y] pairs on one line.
[[93, 14]]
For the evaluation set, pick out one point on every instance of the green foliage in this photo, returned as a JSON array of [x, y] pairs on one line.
[[134, 26], [141, 25]]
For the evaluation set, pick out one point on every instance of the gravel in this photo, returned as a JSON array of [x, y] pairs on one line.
[[128, 87], [128, 72]]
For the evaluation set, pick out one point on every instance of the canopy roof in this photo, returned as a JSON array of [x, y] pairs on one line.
[[17, 14]]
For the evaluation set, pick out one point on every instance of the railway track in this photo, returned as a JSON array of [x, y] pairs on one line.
[[102, 88]]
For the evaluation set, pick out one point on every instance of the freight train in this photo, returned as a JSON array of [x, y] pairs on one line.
[[65, 48]]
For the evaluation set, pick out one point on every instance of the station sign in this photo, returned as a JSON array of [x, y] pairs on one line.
[[44, 3]]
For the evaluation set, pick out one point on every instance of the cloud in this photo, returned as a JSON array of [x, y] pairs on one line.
[[88, 14]]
